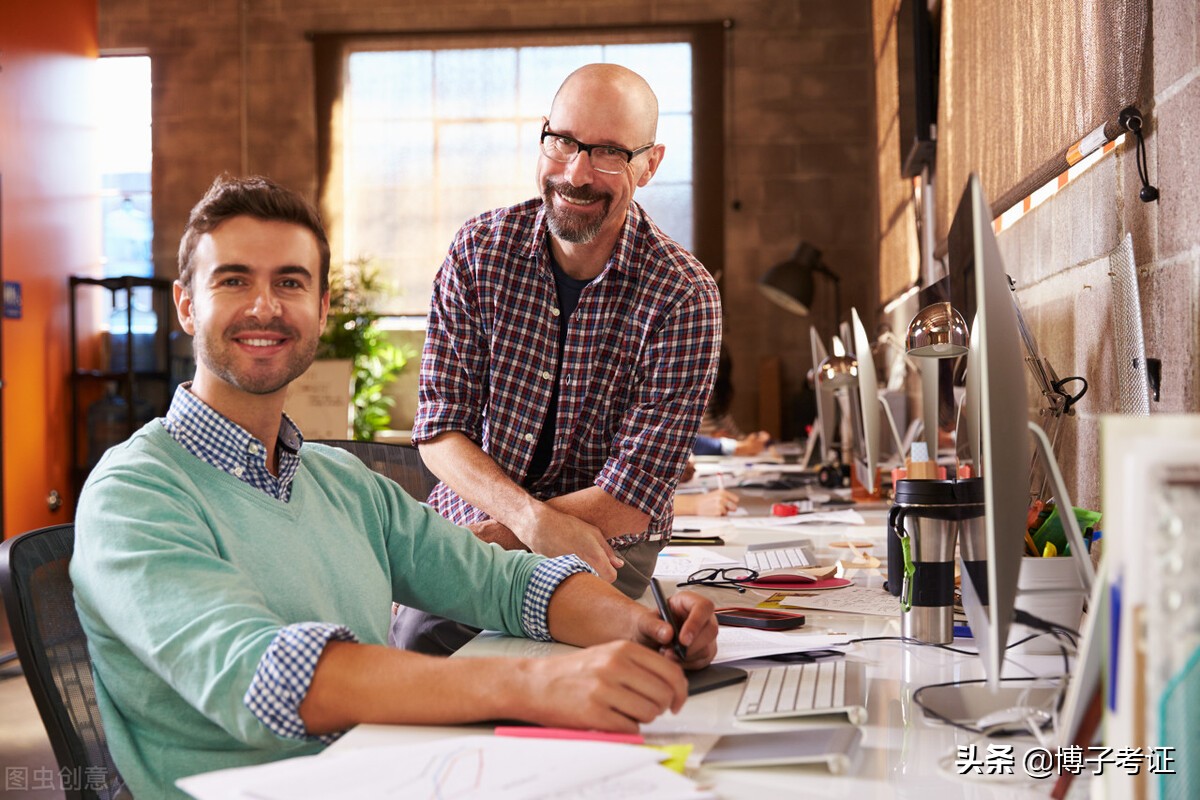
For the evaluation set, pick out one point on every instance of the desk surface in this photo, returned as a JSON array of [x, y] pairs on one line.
[[902, 753]]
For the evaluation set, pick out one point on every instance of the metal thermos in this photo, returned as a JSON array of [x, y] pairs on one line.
[[930, 514]]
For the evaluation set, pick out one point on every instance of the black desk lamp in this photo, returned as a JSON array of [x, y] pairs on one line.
[[790, 283]]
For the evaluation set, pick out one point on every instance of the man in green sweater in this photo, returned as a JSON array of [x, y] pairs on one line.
[[235, 583]]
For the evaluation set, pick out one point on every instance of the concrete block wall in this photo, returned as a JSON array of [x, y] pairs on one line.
[[233, 91], [1058, 253]]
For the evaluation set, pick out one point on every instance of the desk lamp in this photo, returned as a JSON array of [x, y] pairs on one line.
[[789, 283], [937, 331], [836, 372]]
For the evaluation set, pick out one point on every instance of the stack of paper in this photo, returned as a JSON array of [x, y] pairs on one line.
[[464, 767]]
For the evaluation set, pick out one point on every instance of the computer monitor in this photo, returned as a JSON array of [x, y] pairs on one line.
[[990, 548], [1005, 452], [866, 411], [823, 427], [996, 387]]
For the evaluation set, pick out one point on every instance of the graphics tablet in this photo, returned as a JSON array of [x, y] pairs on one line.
[[714, 676]]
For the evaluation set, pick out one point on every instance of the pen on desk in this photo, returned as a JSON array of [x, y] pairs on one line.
[[665, 612], [720, 482]]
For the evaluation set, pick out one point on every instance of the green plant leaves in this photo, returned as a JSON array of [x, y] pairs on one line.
[[352, 332]]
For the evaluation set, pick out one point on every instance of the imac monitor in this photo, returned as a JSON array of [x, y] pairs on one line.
[[991, 570], [823, 429], [992, 552], [866, 413]]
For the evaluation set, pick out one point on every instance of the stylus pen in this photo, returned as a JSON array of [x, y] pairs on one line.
[[665, 613]]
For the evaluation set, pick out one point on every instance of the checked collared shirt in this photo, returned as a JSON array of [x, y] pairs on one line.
[[632, 379]]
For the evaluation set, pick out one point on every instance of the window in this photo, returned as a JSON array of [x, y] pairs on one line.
[[431, 133], [123, 101]]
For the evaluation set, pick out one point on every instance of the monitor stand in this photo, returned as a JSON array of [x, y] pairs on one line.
[[968, 704]]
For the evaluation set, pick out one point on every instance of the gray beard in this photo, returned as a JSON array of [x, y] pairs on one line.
[[572, 228]]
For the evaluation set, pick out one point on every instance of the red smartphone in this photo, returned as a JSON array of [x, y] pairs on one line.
[[763, 618]]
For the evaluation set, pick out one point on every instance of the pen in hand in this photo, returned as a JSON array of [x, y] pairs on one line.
[[665, 612]]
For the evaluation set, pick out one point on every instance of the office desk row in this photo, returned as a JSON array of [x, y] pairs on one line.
[[902, 753]]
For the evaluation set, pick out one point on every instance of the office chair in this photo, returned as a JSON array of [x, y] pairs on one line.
[[53, 652], [400, 462]]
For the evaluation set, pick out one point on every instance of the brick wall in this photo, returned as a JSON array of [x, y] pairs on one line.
[[233, 90], [1058, 254]]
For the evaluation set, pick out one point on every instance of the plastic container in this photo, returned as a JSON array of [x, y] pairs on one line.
[[141, 337], [108, 422], [1048, 588]]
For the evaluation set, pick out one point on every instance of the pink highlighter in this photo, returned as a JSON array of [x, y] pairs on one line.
[[533, 732]]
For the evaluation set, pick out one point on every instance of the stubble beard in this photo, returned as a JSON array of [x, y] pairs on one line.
[[221, 359]]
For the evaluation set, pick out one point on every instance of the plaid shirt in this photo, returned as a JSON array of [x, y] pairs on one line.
[[636, 371]]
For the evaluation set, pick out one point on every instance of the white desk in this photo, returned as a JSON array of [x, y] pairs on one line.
[[902, 754]]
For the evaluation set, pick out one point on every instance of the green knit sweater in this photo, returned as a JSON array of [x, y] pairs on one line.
[[184, 575]]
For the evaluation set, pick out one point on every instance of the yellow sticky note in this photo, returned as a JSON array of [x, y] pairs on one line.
[[675, 755]]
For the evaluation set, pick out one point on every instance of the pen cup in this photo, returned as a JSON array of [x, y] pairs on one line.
[[1048, 588]]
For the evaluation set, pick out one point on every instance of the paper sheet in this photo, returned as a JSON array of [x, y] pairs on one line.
[[699, 523], [845, 516], [854, 599], [679, 562], [738, 644], [465, 767]]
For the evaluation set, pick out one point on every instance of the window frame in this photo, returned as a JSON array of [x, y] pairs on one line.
[[331, 52]]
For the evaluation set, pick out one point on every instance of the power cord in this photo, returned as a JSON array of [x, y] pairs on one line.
[[1033, 723]]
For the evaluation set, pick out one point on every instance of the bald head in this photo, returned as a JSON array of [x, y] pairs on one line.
[[618, 92]]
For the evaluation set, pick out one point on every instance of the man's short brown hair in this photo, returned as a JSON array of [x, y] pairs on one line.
[[254, 196]]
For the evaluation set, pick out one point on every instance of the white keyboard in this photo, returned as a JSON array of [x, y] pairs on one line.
[[796, 690], [781, 556]]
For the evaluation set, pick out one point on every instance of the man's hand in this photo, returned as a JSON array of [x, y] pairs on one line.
[[492, 532], [752, 444], [554, 533], [716, 503], [697, 629], [611, 687]]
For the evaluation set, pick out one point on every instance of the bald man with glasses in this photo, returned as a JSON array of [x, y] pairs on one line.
[[570, 352]]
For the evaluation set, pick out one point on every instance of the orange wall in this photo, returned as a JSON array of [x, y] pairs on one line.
[[51, 230]]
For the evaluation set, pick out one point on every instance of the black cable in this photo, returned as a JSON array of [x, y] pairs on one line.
[[1131, 120], [909, 640], [1037, 623], [1021, 617], [1070, 399], [962, 726]]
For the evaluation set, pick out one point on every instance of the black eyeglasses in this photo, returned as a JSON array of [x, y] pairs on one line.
[[606, 158], [728, 577]]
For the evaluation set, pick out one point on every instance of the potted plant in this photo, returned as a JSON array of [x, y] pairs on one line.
[[352, 332]]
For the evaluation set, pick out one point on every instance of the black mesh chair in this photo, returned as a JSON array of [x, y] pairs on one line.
[[400, 462], [54, 655]]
